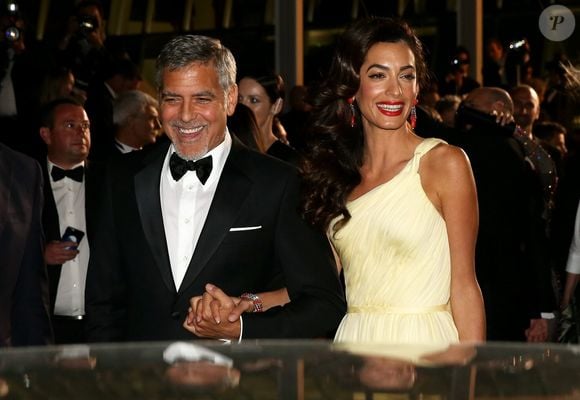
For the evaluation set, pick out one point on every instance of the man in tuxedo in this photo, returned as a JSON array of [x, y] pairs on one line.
[[136, 121], [69, 192], [24, 319], [202, 209], [119, 75]]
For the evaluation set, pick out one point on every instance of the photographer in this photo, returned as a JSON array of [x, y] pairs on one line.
[[457, 80], [82, 48], [11, 45], [20, 78], [517, 62]]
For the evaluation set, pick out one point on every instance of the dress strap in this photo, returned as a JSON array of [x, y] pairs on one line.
[[424, 147]]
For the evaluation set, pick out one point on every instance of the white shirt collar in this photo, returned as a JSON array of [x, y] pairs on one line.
[[110, 89], [124, 148]]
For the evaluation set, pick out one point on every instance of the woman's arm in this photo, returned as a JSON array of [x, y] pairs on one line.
[[573, 264], [451, 180], [570, 286]]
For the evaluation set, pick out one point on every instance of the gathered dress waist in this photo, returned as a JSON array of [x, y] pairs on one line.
[[389, 309]]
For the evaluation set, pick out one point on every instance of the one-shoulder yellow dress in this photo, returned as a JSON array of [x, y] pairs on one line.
[[395, 255]]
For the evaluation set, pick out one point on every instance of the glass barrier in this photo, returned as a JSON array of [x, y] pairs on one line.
[[290, 370]]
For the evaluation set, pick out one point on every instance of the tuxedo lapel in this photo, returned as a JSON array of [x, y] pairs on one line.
[[149, 206], [51, 227], [222, 214], [49, 212], [6, 176]]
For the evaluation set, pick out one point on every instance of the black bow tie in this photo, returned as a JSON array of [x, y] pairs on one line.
[[179, 167], [74, 174]]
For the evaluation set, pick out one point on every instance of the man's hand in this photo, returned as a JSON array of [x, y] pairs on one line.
[[215, 314], [59, 252], [538, 330], [502, 118]]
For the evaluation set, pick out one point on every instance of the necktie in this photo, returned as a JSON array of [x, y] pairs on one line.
[[178, 167], [74, 174]]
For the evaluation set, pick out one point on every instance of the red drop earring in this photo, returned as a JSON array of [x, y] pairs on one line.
[[413, 116], [350, 102]]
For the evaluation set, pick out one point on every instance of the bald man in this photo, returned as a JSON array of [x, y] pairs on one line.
[[514, 278]]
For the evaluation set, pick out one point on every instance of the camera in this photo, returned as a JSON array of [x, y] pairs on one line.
[[516, 45], [457, 63], [11, 32], [87, 24]]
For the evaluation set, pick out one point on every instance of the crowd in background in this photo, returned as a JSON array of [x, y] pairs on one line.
[[526, 167]]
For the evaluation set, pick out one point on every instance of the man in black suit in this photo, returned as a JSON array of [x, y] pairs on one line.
[[24, 317], [204, 209], [119, 75], [136, 121], [69, 193], [510, 259]]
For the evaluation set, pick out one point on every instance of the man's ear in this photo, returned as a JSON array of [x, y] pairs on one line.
[[45, 134], [277, 106], [232, 99]]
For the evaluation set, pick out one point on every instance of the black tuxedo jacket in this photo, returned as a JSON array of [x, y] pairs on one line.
[[23, 288], [130, 292], [99, 107], [50, 222]]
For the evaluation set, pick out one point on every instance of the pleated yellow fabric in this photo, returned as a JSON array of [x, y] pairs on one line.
[[395, 256]]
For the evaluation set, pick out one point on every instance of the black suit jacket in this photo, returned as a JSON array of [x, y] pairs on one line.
[[130, 293], [99, 107], [23, 287], [50, 222], [511, 259]]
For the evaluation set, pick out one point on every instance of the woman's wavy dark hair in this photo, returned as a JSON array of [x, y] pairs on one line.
[[335, 149]]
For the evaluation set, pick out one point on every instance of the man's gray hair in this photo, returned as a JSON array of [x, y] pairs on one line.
[[185, 50], [130, 103]]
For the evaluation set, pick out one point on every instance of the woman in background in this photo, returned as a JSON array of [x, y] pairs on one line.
[[264, 95]]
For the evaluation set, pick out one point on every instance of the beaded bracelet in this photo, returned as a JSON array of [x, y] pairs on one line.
[[256, 301]]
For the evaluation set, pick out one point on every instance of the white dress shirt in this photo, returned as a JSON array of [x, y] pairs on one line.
[[7, 96], [124, 148], [573, 265], [69, 196], [185, 205]]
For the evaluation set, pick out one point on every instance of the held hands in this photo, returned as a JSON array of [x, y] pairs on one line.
[[59, 252], [538, 330], [215, 314]]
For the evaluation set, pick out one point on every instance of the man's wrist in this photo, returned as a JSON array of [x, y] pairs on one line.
[[239, 338]]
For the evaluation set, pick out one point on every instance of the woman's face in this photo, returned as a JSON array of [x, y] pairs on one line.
[[388, 86], [253, 95]]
